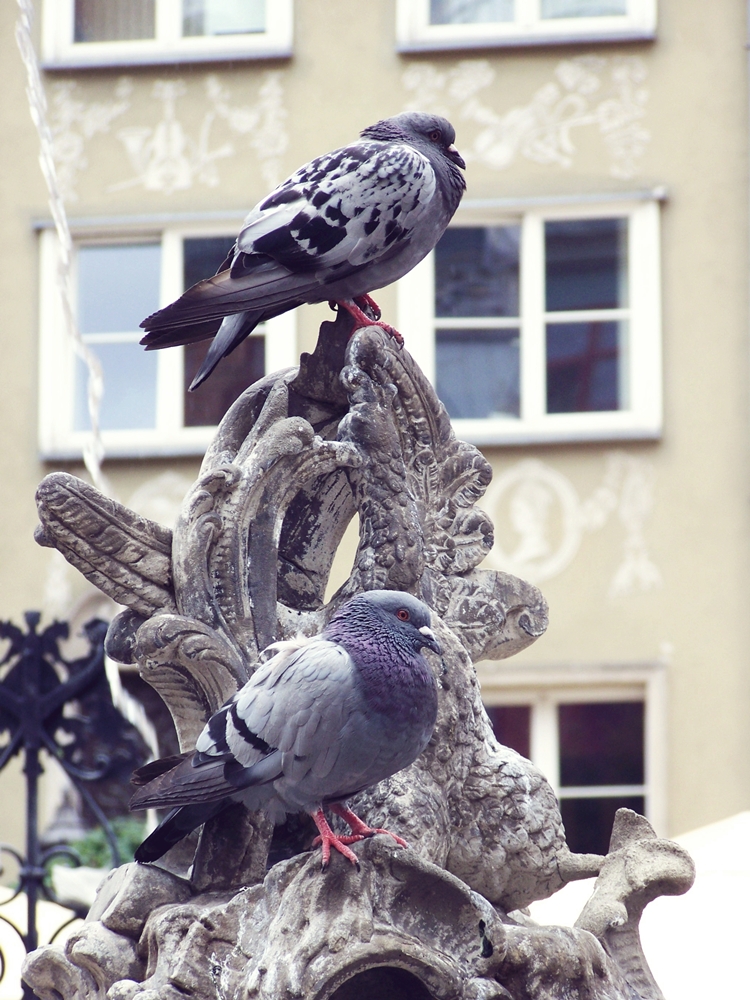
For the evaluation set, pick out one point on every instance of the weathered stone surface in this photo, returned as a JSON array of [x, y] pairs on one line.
[[52, 976], [397, 910], [357, 429], [232, 850], [638, 868], [92, 959], [105, 954], [129, 894]]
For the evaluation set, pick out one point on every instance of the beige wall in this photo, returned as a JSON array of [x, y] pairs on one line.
[[345, 74]]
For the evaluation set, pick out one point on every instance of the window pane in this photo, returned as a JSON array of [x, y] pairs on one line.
[[512, 726], [583, 8], [113, 20], [118, 286], [478, 373], [476, 272], [601, 743], [470, 11], [202, 257], [586, 264], [588, 822], [585, 367], [223, 17], [208, 404], [129, 400]]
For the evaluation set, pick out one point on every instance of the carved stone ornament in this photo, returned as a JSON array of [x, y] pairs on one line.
[[356, 429]]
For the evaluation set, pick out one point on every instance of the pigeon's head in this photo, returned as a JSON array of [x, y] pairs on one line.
[[421, 130], [399, 613]]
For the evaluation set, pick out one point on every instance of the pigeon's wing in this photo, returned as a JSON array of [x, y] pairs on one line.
[[356, 206], [292, 709], [342, 210]]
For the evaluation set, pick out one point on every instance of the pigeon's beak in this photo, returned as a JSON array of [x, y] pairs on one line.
[[429, 639], [453, 154]]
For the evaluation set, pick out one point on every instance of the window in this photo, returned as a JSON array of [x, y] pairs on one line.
[[146, 409], [543, 325], [598, 744], [131, 32], [454, 24]]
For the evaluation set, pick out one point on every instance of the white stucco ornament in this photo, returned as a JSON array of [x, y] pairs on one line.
[[164, 152], [549, 521], [604, 93]]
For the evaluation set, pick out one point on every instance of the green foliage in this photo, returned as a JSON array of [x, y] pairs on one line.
[[94, 849]]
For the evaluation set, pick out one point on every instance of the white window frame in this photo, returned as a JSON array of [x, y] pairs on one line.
[[414, 33], [545, 687], [60, 51], [642, 356], [57, 355]]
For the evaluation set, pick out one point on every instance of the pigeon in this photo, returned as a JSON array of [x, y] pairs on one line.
[[346, 223], [322, 719]]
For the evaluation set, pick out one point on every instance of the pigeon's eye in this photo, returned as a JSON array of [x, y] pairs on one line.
[[402, 614], [435, 135]]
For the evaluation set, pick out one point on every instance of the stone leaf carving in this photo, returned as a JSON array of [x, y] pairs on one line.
[[356, 429], [121, 553]]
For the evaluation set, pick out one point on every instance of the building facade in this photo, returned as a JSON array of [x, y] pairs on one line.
[[585, 321]]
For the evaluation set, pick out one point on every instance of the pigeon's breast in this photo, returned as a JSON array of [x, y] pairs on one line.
[[396, 684]]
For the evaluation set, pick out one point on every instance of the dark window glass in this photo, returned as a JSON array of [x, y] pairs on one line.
[[583, 366], [512, 726], [586, 264], [203, 257], [601, 743], [207, 405], [476, 272], [588, 822], [113, 20], [478, 372], [470, 11]]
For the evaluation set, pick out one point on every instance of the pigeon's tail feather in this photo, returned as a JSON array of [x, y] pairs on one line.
[[185, 785], [268, 289], [178, 335], [231, 333], [155, 768], [176, 825]]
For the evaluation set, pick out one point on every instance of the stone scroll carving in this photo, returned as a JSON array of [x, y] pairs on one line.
[[355, 430]]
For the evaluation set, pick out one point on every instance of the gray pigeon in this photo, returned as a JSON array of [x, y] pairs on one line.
[[323, 719], [344, 224]]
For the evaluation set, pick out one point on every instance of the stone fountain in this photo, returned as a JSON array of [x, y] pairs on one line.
[[245, 912]]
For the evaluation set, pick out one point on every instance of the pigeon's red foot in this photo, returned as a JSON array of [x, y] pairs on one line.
[[361, 320], [367, 302], [360, 830], [328, 839]]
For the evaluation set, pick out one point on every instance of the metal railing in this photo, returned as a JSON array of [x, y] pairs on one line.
[[39, 693]]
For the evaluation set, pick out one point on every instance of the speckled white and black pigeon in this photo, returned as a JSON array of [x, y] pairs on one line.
[[346, 223], [323, 719]]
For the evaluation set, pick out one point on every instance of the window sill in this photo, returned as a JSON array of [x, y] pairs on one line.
[[525, 40], [485, 433], [75, 59], [130, 444]]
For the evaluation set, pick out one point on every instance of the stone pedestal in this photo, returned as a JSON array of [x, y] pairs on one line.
[[357, 429]]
